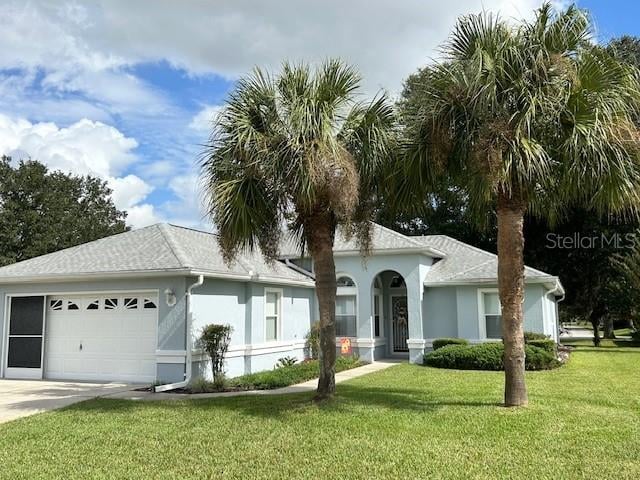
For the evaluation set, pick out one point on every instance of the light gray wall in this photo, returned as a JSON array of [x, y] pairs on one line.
[[221, 302], [454, 311], [241, 304], [440, 312]]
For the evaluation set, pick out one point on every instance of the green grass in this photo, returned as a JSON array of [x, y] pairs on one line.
[[404, 422]]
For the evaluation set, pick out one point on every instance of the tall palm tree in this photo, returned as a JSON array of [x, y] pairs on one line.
[[298, 152], [528, 119]]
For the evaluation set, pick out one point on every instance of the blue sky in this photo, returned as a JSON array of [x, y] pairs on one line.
[[126, 90]]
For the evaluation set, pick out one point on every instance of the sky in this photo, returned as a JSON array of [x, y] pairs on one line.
[[126, 91]]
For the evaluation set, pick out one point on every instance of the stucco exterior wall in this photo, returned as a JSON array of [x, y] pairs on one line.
[[440, 312], [455, 311], [241, 305]]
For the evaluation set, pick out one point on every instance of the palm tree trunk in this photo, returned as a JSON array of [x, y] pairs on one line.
[[320, 234], [511, 287]]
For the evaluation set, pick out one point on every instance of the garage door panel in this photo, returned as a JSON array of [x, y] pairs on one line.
[[118, 343]]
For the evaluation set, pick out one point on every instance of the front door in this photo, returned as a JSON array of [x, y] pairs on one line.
[[26, 331], [400, 321]]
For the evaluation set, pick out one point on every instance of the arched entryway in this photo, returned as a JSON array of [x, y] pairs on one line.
[[390, 311]]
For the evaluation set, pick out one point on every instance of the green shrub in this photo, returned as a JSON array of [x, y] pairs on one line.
[[214, 339], [200, 385], [545, 344], [531, 336], [288, 375], [486, 356], [635, 335], [443, 342]]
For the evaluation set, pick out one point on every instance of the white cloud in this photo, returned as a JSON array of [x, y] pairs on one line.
[[128, 191], [387, 39], [84, 148], [142, 215], [203, 120]]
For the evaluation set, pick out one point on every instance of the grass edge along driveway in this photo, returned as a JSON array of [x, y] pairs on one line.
[[405, 422]]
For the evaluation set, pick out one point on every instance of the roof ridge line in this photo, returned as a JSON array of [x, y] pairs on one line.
[[398, 234], [470, 269], [173, 245]]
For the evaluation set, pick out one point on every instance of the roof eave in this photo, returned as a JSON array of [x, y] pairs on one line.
[[152, 274], [554, 282]]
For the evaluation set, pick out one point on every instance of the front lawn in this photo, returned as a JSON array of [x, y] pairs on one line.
[[404, 422]]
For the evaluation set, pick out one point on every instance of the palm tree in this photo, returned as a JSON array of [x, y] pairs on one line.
[[298, 152], [528, 119]]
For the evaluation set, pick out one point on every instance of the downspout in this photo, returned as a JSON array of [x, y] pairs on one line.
[[189, 347], [558, 300]]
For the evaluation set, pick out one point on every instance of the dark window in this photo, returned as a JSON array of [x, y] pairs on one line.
[[95, 305], [149, 304], [55, 304], [130, 303], [110, 303], [24, 352], [72, 305], [345, 282], [26, 315]]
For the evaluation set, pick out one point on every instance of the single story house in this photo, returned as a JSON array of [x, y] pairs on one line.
[[127, 307]]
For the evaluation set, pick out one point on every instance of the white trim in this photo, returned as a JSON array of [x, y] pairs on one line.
[[415, 343], [236, 351], [553, 282], [362, 342], [280, 316], [429, 251], [5, 331], [482, 316], [151, 274]]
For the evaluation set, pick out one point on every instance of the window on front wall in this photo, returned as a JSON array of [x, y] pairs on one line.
[[346, 316], [376, 314], [272, 314], [492, 314]]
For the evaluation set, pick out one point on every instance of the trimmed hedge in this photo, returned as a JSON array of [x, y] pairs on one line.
[[486, 356], [443, 342], [545, 344], [531, 336]]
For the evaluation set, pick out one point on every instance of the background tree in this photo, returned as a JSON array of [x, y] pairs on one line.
[[595, 290], [42, 211], [298, 152], [531, 119]]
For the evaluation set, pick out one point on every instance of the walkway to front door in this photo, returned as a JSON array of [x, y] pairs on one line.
[[400, 323]]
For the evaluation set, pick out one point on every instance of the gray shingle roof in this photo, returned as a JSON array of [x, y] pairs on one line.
[[382, 239], [465, 263], [158, 248]]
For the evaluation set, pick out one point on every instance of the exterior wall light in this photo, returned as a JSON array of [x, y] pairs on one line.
[[170, 297]]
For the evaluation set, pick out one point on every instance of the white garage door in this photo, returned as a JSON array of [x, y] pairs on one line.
[[101, 337]]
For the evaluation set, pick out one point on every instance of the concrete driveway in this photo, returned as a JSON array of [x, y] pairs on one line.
[[20, 398]]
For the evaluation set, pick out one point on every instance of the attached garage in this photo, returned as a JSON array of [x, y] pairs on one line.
[[107, 337]]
